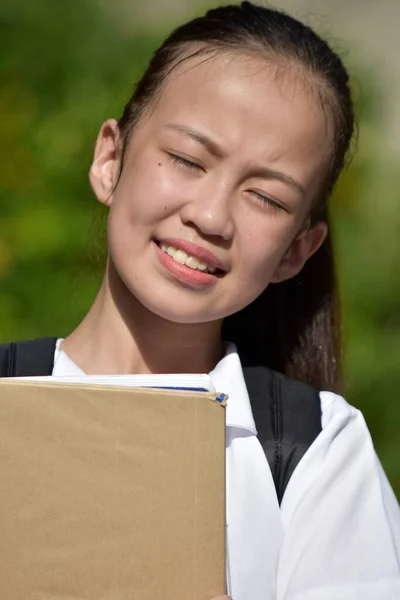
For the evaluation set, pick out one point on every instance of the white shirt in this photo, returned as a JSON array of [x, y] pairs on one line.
[[336, 535]]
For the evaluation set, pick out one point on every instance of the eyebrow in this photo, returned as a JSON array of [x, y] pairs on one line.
[[214, 149], [202, 139], [271, 174]]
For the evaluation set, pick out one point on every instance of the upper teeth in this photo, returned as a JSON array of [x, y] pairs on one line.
[[185, 259]]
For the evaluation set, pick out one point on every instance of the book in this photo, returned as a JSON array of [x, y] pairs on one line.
[[110, 491]]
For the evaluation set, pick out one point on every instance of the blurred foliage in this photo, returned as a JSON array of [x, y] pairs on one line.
[[65, 67]]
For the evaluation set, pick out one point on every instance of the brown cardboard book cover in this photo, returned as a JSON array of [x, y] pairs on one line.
[[110, 493]]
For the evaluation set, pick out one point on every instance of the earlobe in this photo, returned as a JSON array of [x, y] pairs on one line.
[[301, 249], [104, 169]]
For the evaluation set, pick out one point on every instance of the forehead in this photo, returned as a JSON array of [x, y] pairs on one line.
[[254, 106]]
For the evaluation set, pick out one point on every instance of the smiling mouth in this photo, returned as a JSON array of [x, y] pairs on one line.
[[194, 263]]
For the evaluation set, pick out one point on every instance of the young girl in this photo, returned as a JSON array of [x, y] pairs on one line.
[[217, 178]]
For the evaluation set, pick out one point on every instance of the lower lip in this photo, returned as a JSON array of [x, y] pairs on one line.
[[184, 273]]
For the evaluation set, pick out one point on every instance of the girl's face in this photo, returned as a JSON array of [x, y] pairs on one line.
[[219, 175]]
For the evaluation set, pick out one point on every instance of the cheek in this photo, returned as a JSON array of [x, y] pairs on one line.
[[261, 244], [256, 270], [147, 193]]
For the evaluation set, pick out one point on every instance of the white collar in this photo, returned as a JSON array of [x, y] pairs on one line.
[[63, 365], [227, 377]]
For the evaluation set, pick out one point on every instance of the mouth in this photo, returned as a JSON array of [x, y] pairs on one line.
[[189, 260]]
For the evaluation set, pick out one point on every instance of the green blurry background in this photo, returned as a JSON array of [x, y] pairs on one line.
[[66, 66]]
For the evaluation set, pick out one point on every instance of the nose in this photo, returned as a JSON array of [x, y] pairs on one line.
[[210, 212]]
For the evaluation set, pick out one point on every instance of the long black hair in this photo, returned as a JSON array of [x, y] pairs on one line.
[[293, 326]]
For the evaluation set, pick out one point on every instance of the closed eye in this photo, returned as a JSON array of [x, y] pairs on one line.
[[184, 162], [267, 200]]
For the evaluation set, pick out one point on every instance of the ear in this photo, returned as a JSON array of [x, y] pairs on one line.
[[106, 162], [304, 246]]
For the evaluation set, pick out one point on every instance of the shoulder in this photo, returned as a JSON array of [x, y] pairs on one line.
[[344, 432], [338, 507], [344, 429], [342, 467], [337, 413]]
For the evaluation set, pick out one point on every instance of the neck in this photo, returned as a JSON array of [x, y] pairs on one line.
[[119, 336]]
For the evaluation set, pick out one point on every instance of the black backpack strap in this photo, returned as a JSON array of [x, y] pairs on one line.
[[287, 415], [28, 358]]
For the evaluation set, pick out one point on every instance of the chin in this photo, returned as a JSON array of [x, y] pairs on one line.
[[180, 312]]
